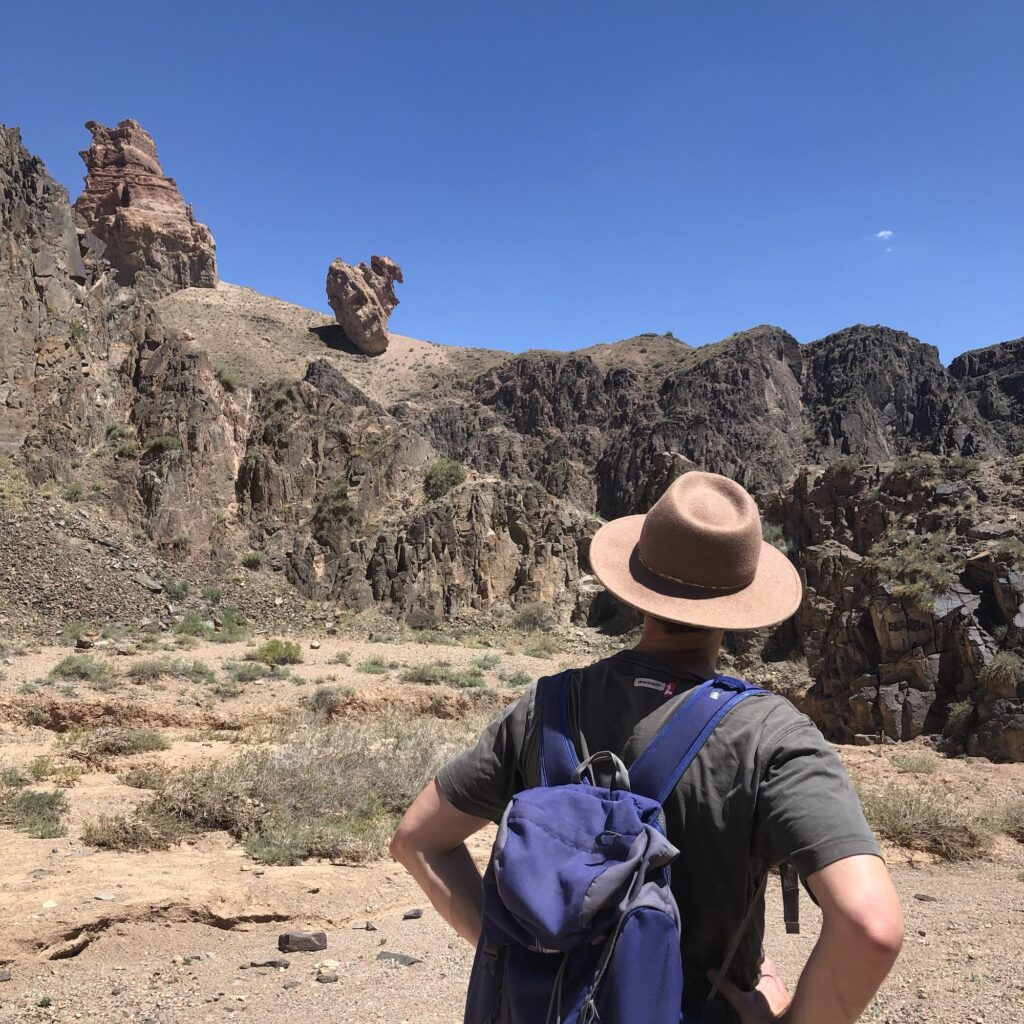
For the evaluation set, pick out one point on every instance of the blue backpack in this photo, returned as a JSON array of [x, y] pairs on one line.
[[579, 923]]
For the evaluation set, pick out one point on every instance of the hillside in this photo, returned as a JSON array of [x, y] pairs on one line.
[[174, 433]]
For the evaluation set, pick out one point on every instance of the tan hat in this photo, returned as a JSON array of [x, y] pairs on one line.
[[698, 557]]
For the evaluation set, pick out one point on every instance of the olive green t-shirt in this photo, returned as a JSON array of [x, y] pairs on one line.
[[765, 788]]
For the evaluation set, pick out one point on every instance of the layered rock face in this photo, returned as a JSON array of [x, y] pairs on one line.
[[363, 299], [152, 239], [993, 380]]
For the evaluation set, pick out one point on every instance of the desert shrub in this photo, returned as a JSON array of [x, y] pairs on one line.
[[96, 747], [1011, 819], [12, 778], [486, 661], [341, 658], [40, 814], [915, 566], [212, 595], [143, 777], [916, 764], [232, 626], [1005, 672], [227, 689], [229, 379], [125, 833], [541, 645], [959, 718], [376, 666], [437, 673], [518, 679], [78, 330], [83, 667], [919, 819], [441, 477], [252, 560], [277, 652], [772, 533], [249, 671], [176, 590], [328, 791], [119, 432], [126, 450], [334, 502], [532, 616], [325, 701], [163, 443], [151, 669], [73, 493]]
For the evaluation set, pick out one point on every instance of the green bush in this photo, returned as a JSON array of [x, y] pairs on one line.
[[232, 626], [486, 661], [1004, 673], [150, 669], [252, 560], [83, 667], [325, 701], [519, 679], [119, 432], [74, 493], [441, 477], [126, 450], [163, 443], [438, 674], [37, 813], [249, 671], [377, 666], [176, 590], [212, 595], [229, 379], [277, 652], [959, 719]]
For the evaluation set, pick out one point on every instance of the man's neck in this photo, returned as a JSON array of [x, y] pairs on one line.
[[691, 652]]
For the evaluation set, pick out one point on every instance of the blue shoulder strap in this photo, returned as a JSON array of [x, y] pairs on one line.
[[558, 758], [661, 764]]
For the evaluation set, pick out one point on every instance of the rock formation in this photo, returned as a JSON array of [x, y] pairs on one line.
[[363, 298], [152, 239]]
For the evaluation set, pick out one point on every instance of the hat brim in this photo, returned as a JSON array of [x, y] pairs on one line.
[[772, 597]]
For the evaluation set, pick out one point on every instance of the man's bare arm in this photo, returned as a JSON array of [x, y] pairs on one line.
[[430, 844], [861, 936]]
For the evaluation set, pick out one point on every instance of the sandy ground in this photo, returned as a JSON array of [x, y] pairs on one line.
[[164, 937]]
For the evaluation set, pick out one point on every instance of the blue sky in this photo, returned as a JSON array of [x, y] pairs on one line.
[[563, 173]]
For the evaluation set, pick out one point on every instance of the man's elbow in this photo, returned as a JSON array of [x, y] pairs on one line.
[[400, 847], [877, 937]]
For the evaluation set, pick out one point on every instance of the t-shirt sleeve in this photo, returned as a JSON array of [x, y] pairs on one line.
[[483, 779], [807, 809]]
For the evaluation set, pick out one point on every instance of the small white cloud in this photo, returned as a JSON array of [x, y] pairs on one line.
[[888, 248], [885, 234]]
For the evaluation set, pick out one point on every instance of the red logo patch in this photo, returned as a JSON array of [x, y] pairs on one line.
[[669, 691]]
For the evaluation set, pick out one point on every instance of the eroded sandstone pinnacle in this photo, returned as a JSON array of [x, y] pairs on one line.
[[152, 238], [363, 298]]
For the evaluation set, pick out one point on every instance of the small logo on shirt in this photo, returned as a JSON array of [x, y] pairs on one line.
[[665, 689]]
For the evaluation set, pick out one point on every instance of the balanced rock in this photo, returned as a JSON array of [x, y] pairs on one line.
[[152, 239], [363, 298]]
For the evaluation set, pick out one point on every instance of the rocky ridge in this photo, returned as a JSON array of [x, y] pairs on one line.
[[325, 477]]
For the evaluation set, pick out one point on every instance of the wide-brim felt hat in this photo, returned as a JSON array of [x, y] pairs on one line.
[[698, 557]]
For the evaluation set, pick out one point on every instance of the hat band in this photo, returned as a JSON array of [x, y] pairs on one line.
[[686, 583]]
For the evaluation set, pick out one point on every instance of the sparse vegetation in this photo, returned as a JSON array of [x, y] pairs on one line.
[[932, 822], [277, 652], [1011, 819], [916, 764], [437, 673], [334, 502], [229, 379], [249, 671], [119, 432], [518, 679], [73, 493], [252, 560], [151, 669], [232, 626], [326, 701], [441, 477], [40, 814], [376, 666], [126, 450], [959, 719], [1003, 674], [341, 658], [78, 331], [914, 566], [486, 661], [212, 595], [125, 833], [94, 748], [176, 590], [83, 667], [532, 616], [163, 443]]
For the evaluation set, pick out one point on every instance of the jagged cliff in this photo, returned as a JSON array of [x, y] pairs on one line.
[[895, 482]]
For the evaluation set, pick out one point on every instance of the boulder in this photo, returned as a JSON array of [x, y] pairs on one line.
[[363, 298], [150, 235]]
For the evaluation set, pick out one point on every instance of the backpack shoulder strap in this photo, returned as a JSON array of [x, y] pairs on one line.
[[558, 758], [662, 763]]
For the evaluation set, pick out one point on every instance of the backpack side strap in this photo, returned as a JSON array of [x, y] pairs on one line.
[[662, 763], [558, 760]]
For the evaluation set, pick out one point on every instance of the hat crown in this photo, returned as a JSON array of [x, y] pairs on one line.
[[704, 531]]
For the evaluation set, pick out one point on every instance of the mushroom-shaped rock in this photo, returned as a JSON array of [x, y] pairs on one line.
[[363, 298]]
